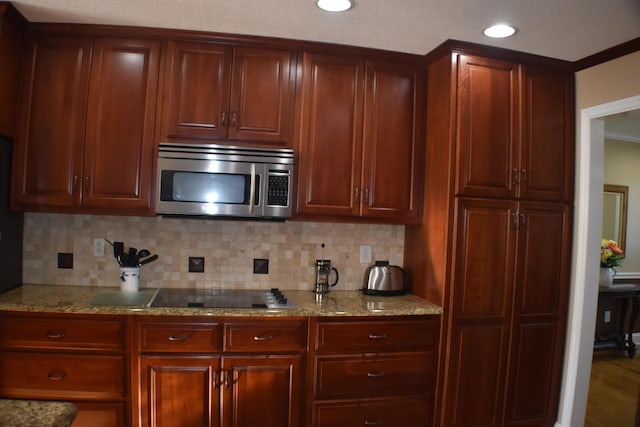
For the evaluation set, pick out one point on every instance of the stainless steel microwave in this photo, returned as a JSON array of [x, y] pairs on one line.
[[226, 181]]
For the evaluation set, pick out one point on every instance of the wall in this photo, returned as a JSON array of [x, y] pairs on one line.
[[228, 247], [621, 160]]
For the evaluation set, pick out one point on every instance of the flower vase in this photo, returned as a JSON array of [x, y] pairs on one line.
[[606, 277]]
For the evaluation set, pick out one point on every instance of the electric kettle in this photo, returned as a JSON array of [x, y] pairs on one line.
[[384, 279]]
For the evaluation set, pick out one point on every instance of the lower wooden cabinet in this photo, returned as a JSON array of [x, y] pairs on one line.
[[231, 374], [77, 358], [373, 371]]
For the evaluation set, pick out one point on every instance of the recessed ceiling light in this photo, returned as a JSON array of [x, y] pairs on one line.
[[499, 31], [334, 5]]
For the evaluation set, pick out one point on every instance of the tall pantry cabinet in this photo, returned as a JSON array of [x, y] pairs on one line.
[[494, 245]]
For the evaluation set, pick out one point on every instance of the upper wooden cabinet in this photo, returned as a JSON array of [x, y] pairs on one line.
[[514, 130], [359, 145], [85, 135], [12, 28], [218, 92]]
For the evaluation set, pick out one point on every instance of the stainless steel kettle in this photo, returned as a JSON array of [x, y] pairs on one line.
[[384, 279]]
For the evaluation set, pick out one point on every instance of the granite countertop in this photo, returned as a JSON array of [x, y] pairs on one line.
[[29, 413], [75, 299]]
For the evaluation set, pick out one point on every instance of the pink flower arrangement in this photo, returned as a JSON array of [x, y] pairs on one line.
[[610, 254]]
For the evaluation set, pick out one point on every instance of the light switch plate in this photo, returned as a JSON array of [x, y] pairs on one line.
[[98, 247], [365, 254]]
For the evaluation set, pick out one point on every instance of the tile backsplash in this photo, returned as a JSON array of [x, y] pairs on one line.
[[228, 249]]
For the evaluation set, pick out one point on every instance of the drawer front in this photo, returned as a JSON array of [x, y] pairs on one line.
[[55, 376], [162, 337], [52, 333], [380, 375], [413, 411], [376, 336], [265, 336]]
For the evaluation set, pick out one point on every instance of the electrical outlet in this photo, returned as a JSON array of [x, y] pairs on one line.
[[365, 254], [607, 316], [98, 246]]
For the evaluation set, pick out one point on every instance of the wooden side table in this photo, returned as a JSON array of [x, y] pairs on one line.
[[628, 297]]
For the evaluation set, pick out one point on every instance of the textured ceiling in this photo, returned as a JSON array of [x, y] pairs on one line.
[[563, 29]]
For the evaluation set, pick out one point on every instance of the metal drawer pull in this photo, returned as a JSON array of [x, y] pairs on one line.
[[56, 377], [179, 338], [373, 422], [263, 338], [375, 374], [377, 336], [55, 335]]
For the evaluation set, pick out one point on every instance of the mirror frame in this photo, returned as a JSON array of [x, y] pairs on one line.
[[623, 191]]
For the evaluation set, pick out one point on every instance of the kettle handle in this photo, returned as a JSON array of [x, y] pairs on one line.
[[336, 282]]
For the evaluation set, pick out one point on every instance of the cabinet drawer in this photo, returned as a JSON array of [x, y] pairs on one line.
[[376, 336], [179, 337], [265, 336], [414, 411], [56, 376], [380, 375], [54, 333]]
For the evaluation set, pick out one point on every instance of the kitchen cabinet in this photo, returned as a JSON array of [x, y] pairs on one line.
[[85, 133], [494, 246], [216, 92], [67, 357], [372, 372], [359, 140], [514, 124], [12, 29], [232, 373]]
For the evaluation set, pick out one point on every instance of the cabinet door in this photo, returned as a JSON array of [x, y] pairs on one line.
[[392, 155], [120, 124], [547, 153], [487, 127], [48, 148], [261, 391], [12, 28], [330, 140], [261, 104], [481, 313], [196, 91], [179, 391], [542, 274]]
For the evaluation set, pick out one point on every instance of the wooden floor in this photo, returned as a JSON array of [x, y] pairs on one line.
[[613, 390]]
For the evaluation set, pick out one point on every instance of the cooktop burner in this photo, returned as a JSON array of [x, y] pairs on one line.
[[220, 298]]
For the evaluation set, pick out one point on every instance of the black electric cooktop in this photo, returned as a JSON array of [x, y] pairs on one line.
[[220, 298]]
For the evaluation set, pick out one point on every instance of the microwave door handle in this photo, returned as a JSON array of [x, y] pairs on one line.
[[252, 190]]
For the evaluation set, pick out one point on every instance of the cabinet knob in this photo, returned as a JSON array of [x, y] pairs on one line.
[[373, 422], [523, 181], [366, 195], [55, 335], [178, 337], [75, 183], [86, 183], [377, 336], [263, 338], [375, 374], [356, 194], [234, 119], [223, 119]]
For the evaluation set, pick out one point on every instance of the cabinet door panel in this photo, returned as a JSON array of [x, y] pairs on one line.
[[48, 149], [261, 103], [331, 135], [547, 141], [534, 374], [120, 124], [476, 374], [391, 152], [483, 283], [488, 126], [197, 91], [261, 391], [543, 258], [179, 391]]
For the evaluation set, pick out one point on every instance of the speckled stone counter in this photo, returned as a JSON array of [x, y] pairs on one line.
[[31, 413], [75, 299]]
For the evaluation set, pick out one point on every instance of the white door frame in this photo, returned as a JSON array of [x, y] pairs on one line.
[[583, 298]]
